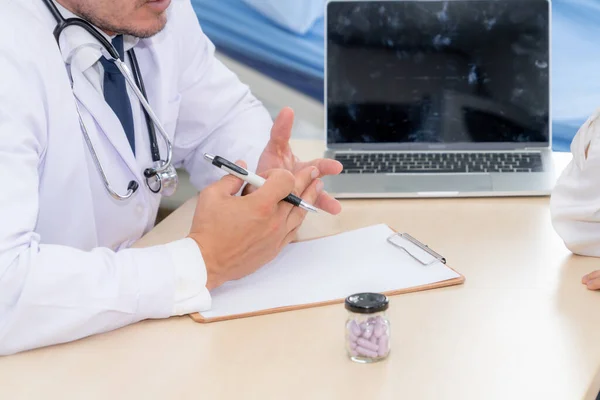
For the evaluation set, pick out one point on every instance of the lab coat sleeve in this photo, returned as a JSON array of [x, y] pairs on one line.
[[575, 201], [218, 113], [191, 294], [53, 294]]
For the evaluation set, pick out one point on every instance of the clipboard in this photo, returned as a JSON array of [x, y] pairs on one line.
[[420, 254]]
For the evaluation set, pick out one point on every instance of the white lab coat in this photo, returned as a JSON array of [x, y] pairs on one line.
[[66, 271], [575, 201]]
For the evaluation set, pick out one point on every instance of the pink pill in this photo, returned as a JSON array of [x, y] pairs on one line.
[[367, 344], [352, 337], [367, 332], [366, 352], [379, 330], [354, 328], [353, 353], [353, 345], [373, 339], [383, 346]]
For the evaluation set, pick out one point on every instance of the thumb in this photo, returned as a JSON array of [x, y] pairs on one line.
[[281, 132], [230, 184]]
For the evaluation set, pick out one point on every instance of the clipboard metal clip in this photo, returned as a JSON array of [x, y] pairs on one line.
[[436, 256]]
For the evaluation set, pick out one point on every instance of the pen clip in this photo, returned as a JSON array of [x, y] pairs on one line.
[[221, 162]]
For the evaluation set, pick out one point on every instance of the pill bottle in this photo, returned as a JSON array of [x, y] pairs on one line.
[[367, 327]]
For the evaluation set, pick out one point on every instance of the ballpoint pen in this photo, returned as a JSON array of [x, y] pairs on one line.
[[253, 179]]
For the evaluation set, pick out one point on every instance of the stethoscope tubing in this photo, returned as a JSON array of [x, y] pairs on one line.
[[128, 77], [134, 80]]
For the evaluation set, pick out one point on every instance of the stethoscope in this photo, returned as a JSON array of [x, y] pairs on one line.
[[162, 177]]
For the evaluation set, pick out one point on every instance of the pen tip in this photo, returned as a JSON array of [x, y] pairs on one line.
[[310, 208]]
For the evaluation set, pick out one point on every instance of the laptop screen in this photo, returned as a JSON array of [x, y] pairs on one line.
[[438, 72]]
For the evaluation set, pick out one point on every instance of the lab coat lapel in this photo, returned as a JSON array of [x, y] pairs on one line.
[[106, 119]]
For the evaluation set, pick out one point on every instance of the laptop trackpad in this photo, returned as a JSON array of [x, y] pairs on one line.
[[438, 183]]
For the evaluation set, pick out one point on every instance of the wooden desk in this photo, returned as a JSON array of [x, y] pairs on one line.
[[521, 327]]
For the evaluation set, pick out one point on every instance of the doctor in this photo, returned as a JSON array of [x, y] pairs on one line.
[[84, 163], [575, 201]]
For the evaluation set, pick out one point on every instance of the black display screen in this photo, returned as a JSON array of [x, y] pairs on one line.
[[438, 71]]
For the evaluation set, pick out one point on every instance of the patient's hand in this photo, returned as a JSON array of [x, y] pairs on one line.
[[278, 155], [592, 280]]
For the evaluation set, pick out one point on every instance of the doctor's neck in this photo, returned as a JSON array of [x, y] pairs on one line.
[[139, 18]]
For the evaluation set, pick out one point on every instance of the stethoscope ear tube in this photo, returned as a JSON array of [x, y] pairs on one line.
[[133, 186], [55, 13], [137, 75], [131, 82], [149, 172], [66, 23]]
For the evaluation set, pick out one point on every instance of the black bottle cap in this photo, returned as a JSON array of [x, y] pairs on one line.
[[366, 303]]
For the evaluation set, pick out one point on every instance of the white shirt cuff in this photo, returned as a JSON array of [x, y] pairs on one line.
[[191, 294]]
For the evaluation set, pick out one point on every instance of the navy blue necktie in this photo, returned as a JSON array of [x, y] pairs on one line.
[[115, 91]]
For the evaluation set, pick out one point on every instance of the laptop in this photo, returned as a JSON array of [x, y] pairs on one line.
[[438, 98]]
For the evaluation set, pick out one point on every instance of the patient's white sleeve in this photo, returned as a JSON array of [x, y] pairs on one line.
[[575, 201]]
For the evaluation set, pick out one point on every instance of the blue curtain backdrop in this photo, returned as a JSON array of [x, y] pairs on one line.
[[263, 34], [576, 62]]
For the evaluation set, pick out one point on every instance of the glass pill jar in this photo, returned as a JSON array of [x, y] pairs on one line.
[[367, 327]]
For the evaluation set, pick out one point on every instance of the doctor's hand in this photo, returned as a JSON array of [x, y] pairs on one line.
[[592, 280], [239, 234], [278, 154]]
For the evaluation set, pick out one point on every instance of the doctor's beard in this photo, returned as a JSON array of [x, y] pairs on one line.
[[138, 18]]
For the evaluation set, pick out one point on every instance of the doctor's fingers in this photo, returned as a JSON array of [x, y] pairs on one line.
[[325, 201], [298, 214], [328, 203], [290, 237], [310, 196], [228, 185], [303, 179], [279, 184], [325, 166]]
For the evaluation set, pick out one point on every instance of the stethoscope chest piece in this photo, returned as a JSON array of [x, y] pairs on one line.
[[163, 181]]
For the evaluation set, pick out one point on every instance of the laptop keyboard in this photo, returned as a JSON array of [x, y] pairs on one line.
[[400, 163]]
